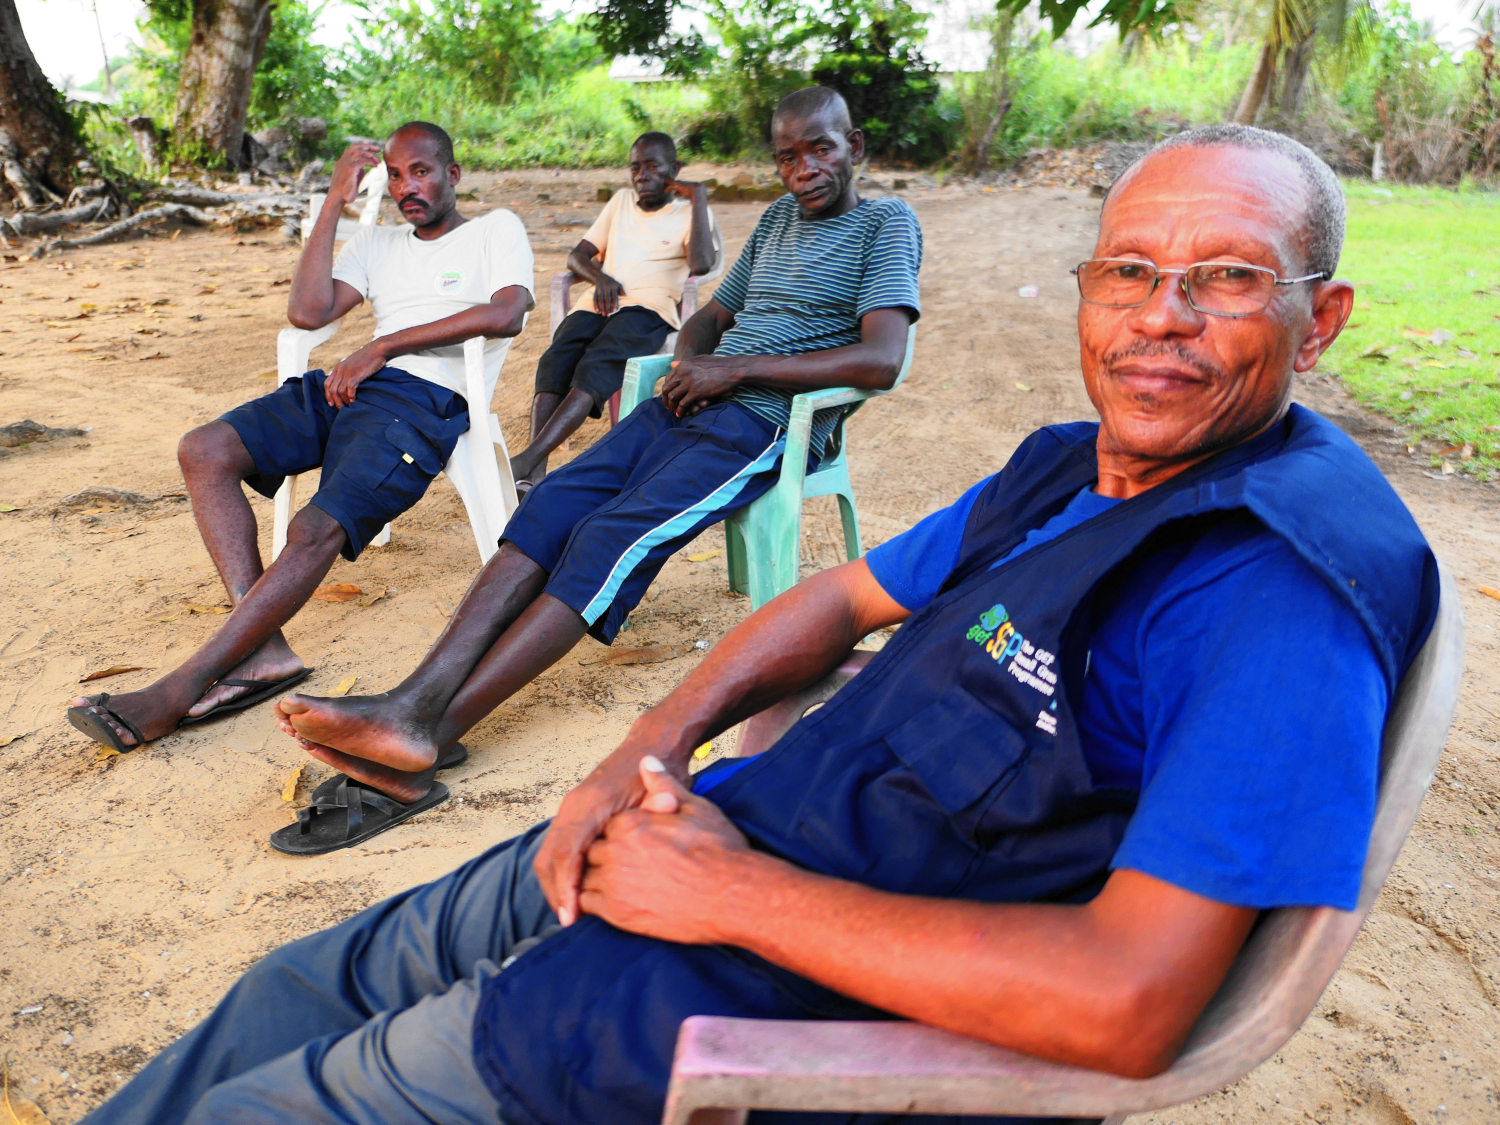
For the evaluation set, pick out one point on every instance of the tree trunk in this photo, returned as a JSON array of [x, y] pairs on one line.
[[213, 97], [37, 142], [1260, 82], [1294, 82]]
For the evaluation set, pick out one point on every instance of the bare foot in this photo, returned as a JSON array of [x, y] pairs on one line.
[[152, 714], [274, 660], [403, 787], [365, 726]]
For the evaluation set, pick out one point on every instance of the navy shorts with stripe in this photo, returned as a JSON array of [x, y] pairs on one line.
[[378, 454], [604, 524]]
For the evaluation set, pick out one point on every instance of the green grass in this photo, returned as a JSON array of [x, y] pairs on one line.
[[1424, 261]]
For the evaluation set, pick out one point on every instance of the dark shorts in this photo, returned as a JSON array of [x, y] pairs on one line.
[[378, 454], [589, 352], [604, 524]]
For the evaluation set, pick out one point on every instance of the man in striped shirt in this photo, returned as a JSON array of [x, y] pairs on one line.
[[822, 296]]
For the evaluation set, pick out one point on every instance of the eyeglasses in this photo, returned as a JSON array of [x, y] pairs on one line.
[[1216, 288]]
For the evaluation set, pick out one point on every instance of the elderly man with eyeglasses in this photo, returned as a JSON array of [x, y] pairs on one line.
[[1137, 697]]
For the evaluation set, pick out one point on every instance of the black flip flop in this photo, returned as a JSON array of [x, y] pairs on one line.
[[456, 755], [99, 730], [319, 828], [264, 689]]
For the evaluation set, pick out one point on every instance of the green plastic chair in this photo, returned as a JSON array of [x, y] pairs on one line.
[[764, 539]]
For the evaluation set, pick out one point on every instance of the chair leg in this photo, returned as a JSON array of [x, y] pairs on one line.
[[734, 555], [853, 545], [719, 1117], [383, 538], [286, 500]]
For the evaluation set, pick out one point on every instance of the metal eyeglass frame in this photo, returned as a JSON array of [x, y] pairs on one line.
[[1321, 275]]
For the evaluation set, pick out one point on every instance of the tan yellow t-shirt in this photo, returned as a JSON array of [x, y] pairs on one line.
[[645, 251]]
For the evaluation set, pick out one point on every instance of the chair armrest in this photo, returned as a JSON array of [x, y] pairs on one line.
[[688, 304], [641, 376], [875, 1067], [562, 285], [294, 348]]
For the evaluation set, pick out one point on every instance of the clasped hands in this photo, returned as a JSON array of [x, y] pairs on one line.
[[643, 853], [701, 380]]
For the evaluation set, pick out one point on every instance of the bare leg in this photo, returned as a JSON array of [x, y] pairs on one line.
[[214, 463], [313, 542], [552, 422], [501, 637]]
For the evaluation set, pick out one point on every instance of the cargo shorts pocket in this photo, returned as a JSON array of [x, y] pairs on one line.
[[414, 448]]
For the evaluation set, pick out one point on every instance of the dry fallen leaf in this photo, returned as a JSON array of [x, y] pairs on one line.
[[18, 1109], [11, 507], [1022, 387], [702, 751], [105, 753], [344, 685], [116, 670], [706, 555], [289, 789], [153, 355], [370, 599], [8, 739], [194, 607], [271, 374], [1490, 591], [652, 654], [338, 592]]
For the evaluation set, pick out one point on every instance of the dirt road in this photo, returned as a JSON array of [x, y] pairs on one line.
[[137, 888]]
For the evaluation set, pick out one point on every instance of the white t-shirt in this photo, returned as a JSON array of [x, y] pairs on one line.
[[645, 251], [409, 281]]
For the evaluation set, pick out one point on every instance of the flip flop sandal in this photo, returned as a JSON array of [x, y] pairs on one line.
[[524, 486], [456, 755], [264, 689], [319, 828], [99, 730]]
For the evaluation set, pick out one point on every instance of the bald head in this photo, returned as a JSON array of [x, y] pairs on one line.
[[1320, 223], [442, 143], [813, 102]]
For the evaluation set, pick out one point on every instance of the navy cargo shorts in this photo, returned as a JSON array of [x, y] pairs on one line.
[[378, 454]]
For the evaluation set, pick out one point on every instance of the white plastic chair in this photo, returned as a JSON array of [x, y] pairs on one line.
[[372, 187], [725, 1067], [483, 481], [562, 285]]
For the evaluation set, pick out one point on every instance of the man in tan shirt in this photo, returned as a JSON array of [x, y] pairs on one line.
[[641, 249]]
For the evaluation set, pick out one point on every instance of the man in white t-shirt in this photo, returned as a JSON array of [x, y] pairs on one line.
[[641, 249], [381, 423]]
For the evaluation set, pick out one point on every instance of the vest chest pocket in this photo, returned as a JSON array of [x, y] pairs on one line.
[[962, 752]]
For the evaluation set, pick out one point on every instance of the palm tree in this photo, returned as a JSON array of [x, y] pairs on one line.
[[1290, 43]]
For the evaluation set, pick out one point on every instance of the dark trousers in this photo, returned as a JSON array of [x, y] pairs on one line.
[[367, 1023], [589, 352]]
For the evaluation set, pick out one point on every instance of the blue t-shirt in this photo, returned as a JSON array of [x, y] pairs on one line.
[[802, 285], [1227, 685]]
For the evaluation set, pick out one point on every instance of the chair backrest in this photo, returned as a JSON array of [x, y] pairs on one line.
[[1285, 965], [373, 188]]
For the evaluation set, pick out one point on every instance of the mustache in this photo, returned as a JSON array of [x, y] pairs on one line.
[[1161, 349], [417, 199]]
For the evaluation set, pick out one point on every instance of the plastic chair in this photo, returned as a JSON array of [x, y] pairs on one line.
[[764, 539], [562, 285], [725, 1067], [483, 481], [372, 187]]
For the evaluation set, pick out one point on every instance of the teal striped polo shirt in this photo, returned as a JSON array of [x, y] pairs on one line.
[[802, 285]]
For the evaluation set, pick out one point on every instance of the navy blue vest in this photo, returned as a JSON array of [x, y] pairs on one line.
[[951, 766]]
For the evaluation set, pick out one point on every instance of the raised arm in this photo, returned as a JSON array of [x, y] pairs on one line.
[[316, 298], [701, 235], [698, 378], [791, 642]]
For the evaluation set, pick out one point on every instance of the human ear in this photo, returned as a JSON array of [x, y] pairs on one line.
[[1333, 301], [856, 146], [455, 173]]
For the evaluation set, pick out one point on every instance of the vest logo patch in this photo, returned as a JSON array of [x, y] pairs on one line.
[[450, 281], [1030, 665]]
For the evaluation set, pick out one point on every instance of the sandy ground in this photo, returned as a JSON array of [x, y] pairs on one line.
[[136, 889]]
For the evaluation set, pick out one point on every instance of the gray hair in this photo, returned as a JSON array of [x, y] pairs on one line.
[[1323, 215]]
